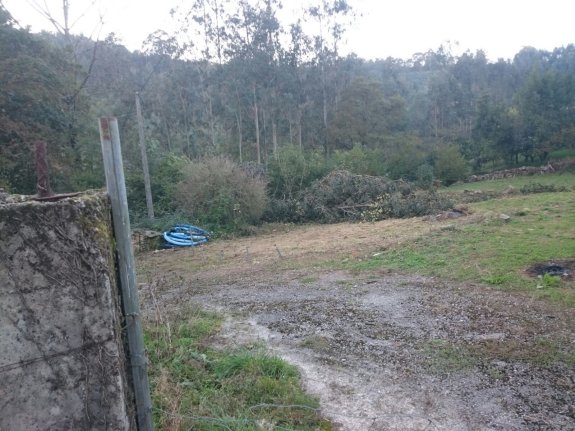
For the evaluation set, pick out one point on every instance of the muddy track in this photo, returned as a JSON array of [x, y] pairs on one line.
[[400, 352]]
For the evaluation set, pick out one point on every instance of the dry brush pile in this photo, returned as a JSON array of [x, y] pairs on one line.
[[343, 196]]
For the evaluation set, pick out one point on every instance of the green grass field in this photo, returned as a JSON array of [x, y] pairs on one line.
[[493, 251]]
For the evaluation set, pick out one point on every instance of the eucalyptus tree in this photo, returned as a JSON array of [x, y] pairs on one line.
[[364, 115], [255, 49], [330, 17], [546, 105], [294, 71], [173, 93], [203, 28]]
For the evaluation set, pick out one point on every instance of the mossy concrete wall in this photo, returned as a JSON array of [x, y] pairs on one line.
[[62, 358]]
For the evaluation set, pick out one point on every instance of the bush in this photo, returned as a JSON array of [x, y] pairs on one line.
[[288, 210], [165, 173], [217, 192], [450, 166], [424, 176], [359, 160], [294, 170], [404, 154]]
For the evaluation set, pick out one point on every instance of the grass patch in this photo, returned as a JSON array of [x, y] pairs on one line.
[[542, 351], [309, 280], [195, 386], [558, 180], [317, 343], [562, 154], [444, 357], [492, 250]]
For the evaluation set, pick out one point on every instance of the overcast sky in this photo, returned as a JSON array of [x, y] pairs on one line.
[[382, 28]]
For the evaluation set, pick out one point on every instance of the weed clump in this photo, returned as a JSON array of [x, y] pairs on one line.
[[541, 188], [196, 386]]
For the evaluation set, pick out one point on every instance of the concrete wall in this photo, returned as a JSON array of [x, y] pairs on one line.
[[62, 359]]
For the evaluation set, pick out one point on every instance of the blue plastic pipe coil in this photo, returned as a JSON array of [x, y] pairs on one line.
[[185, 235]]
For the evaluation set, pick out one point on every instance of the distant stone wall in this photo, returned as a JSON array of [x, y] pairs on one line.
[[549, 168], [62, 358]]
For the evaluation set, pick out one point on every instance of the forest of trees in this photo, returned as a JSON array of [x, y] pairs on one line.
[[277, 99]]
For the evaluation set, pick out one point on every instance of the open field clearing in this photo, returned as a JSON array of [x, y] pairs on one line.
[[413, 324]]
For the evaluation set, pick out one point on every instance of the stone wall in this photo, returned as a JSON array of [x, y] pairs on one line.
[[62, 358], [549, 168]]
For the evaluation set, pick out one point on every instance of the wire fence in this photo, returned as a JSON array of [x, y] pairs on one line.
[[228, 423]]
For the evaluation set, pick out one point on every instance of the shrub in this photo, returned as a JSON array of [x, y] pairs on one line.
[[424, 176], [293, 170], [404, 154], [450, 166], [165, 173], [359, 160], [218, 192], [288, 210]]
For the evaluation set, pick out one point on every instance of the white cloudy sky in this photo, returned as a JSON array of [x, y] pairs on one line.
[[397, 28]]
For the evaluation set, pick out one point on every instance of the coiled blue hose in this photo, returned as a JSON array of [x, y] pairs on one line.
[[185, 235]]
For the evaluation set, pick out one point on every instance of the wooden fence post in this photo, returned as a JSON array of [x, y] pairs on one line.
[[112, 153]]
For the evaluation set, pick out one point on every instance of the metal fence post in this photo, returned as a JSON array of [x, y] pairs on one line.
[[112, 153]]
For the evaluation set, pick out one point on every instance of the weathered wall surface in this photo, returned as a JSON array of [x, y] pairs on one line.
[[62, 361]]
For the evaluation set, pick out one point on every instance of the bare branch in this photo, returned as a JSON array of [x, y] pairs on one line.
[[45, 12]]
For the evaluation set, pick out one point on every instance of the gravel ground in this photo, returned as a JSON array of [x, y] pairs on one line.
[[382, 351], [399, 352]]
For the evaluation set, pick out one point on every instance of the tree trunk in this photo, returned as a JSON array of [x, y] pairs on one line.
[[145, 168], [66, 11], [190, 149], [265, 133], [166, 130], [211, 114], [239, 122], [275, 138], [299, 131], [257, 125], [324, 97]]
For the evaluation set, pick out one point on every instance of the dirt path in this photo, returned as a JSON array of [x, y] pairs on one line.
[[387, 351]]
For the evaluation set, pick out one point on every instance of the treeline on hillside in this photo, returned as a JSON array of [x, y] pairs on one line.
[[276, 99]]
